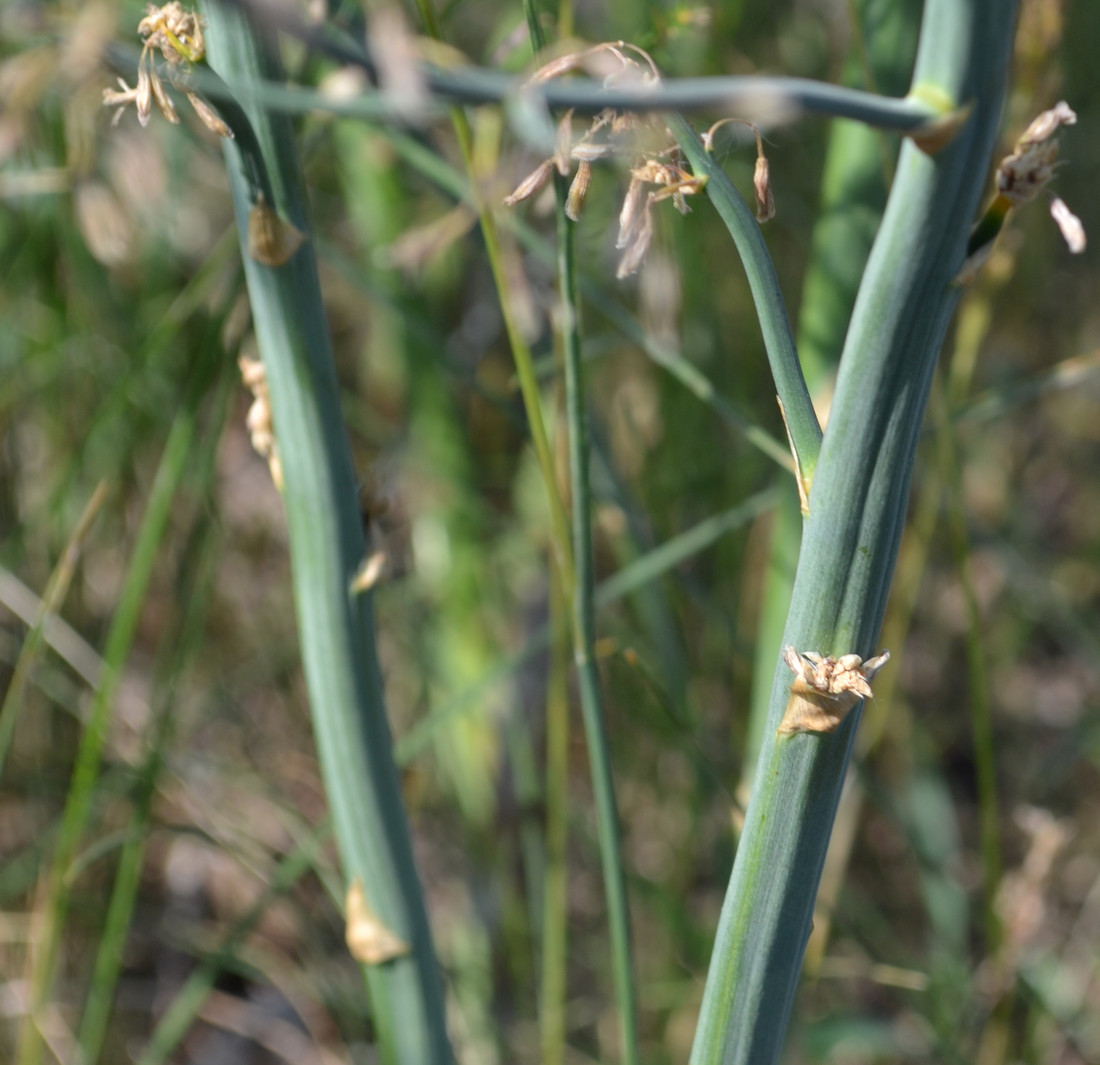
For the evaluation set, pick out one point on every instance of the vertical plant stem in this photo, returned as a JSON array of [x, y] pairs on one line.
[[555, 921], [857, 508], [583, 603], [584, 642], [327, 546]]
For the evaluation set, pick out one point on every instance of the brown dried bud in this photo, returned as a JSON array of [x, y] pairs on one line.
[[825, 688], [144, 95], [531, 184], [578, 190], [1023, 174], [369, 938], [761, 180], [164, 101], [631, 212], [641, 235], [210, 118], [271, 240]]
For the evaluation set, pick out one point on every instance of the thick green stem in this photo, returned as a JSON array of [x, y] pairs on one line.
[[857, 508], [327, 546]]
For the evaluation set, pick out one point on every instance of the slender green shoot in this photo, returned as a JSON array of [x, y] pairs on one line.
[[790, 384]]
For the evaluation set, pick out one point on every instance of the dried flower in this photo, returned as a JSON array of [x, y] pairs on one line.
[[637, 242], [761, 176], [761, 181], [825, 688], [1026, 172], [578, 190], [531, 184], [178, 36], [611, 135], [1021, 177], [632, 206]]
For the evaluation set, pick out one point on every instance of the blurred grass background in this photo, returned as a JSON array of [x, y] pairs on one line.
[[121, 318]]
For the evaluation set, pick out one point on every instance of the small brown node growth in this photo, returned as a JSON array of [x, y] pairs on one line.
[[825, 689], [271, 240], [261, 430], [369, 938]]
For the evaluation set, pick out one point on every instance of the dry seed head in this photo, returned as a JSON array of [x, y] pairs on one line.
[[175, 32], [534, 182], [761, 180], [637, 244], [578, 190], [1023, 174], [633, 204], [177, 35], [825, 689]]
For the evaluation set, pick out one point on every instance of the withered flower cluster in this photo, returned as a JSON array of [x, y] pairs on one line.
[[178, 36], [657, 170], [825, 688], [1025, 173]]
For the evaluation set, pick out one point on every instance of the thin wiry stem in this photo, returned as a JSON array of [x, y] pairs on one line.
[[751, 97], [790, 384], [583, 603]]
